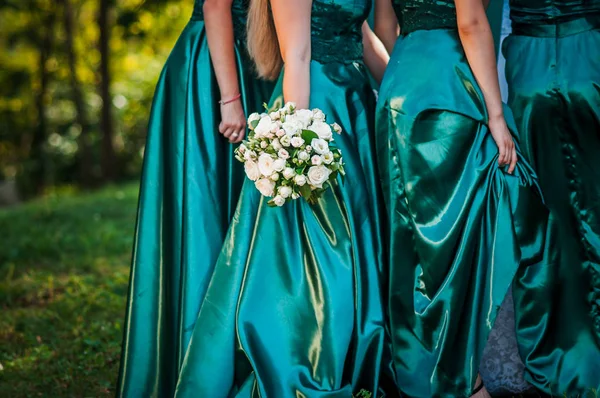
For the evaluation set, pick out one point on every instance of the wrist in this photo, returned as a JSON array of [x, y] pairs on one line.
[[496, 118], [229, 99]]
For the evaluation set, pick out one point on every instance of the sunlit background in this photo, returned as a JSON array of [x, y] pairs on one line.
[[76, 85]]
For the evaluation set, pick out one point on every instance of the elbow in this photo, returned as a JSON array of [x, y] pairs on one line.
[[470, 26], [216, 6], [297, 56]]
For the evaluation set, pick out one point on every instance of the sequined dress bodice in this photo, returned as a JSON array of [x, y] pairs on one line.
[[336, 30], [425, 14], [534, 12]]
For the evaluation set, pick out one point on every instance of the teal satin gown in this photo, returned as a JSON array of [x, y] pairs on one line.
[[553, 75], [189, 190], [459, 225], [294, 306]]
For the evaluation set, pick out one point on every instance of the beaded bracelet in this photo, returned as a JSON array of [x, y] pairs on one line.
[[225, 102]]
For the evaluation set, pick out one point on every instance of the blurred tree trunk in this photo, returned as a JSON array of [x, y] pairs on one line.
[[40, 173], [85, 156], [108, 152]]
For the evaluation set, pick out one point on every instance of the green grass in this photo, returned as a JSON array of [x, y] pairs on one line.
[[64, 267]]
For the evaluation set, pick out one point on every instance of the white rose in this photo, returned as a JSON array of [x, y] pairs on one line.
[[322, 129], [250, 155], [285, 192], [275, 176], [317, 175], [264, 127], [308, 148], [302, 155], [295, 196], [300, 180], [279, 201], [327, 158], [304, 116], [318, 115], [265, 164], [337, 128], [276, 144], [280, 133], [264, 144], [297, 142], [286, 140], [289, 107], [279, 164], [288, 173], [242, 149], [283, 154], [274, 115], [292, 127], [265, 186], [320, 146], [252, 118], [316, 160], [251, 169]]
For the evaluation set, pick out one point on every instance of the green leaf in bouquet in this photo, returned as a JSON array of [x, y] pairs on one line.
[[305, 191], [277, 104], [308, 136], [270, 203], [254, 123]]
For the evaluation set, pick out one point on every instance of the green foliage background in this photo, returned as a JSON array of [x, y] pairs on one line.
[[142, 33], [64, 255]]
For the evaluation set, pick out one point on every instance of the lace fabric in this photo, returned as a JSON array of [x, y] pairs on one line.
[[551, 11], [501, 368], [425, 14], [336, 30]]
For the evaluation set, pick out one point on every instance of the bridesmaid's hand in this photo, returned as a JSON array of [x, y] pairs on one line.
[[233, 121], [506, 144]]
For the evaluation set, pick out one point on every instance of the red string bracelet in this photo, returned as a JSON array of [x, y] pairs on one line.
[[225, 102]]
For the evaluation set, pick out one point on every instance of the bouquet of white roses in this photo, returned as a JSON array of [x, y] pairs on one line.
[[291, 153]]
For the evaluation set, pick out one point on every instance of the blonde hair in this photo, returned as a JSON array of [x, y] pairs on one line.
[[263, 45]]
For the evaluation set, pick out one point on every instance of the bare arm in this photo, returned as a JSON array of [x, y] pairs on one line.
[[375, 55], [219, 32], [293, 32], [478, 43], [386, 24]]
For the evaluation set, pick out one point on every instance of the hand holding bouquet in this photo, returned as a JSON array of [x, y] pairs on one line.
[[291, 153]]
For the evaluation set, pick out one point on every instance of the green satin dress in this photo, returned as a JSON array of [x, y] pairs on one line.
[[294, 307], [189, 190], [459, 225], [553, 75]]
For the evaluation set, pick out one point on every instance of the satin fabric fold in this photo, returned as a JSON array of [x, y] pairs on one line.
[[460, 226], [189, 190], [553, 75], [294, 307]]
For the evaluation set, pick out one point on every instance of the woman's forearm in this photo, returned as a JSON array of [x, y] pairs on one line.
[[375, 55], [386, 24], [478, 43], [219, 32], [296, 82], [293, 33]]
